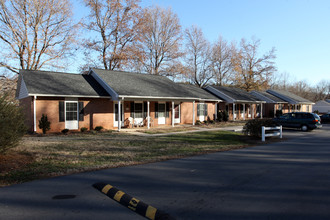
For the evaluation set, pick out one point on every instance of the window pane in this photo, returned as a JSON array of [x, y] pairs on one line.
[[71, 106], [201, 108], [176, 111], [71, 111], [138, 110], [70, 116], [161, 110]]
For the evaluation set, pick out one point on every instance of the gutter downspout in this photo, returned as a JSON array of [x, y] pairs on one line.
[[34, 114], [193, 112]]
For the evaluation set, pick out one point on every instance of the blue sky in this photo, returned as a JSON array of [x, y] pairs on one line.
[[298, 29]]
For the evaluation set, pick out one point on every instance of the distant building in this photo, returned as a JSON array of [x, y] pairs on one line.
[[322, 106]]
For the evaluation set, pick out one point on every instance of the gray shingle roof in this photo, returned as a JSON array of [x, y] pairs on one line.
[[269, 98], [232, 94], [199, 92], [61, 84], [289, 97], [144, 85]]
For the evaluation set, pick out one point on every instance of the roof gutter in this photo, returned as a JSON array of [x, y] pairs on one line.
[[167, 98], [69, 96]]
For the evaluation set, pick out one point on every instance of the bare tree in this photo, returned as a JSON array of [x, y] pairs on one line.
[[321, 90], [160, 41], [116, 24], [35, 33], [198, 56], [221, 61], [250, 70]]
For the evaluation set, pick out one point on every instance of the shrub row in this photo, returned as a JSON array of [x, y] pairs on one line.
[[253, 127]]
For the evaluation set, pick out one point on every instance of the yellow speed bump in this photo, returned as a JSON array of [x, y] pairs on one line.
[[132, 203]]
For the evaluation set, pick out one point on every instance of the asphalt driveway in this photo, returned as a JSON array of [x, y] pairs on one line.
[[283, 180]]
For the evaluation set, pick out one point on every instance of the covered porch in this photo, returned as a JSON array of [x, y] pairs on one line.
[[147, 113], [243, 110]]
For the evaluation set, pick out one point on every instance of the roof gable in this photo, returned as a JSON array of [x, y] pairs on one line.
[[269, 98], [43, 83], [200, 92], [127, 84], [232, 94], [322, 103], [289, 97]]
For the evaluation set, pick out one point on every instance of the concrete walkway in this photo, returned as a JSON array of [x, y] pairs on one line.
[[198, 129]]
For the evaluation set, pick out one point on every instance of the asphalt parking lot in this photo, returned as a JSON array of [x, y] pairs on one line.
[[282, 180]]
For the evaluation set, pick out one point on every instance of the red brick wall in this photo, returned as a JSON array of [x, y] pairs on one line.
[[27, 105], [99, 112]]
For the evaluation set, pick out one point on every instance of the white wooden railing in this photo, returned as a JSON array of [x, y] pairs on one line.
[[276, 131]]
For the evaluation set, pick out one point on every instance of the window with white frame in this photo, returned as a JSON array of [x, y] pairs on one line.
[[201, 109], [138, 107], [71, 111]]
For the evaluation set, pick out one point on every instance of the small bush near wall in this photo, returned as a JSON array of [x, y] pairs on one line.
[[98, 128], [83, 129], [253, 127], [65, 131], [44, 124], [225, 116], [219, 116], [12, 126], [278, 113]]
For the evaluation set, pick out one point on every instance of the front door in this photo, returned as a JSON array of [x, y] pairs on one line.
[[201, 112], [177, 113], [161, 113], [116, 115], [138, 113], [71, 115]]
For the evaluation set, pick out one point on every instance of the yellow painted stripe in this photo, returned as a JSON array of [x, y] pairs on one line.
[[118, 196], [151, 212], [133, 204], [106, 189]]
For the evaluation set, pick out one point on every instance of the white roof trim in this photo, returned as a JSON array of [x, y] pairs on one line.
[[290, 100], [72, 96], [105, 85], [262, 96], [219, 93]]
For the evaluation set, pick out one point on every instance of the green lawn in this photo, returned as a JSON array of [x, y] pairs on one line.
[[41, 157]]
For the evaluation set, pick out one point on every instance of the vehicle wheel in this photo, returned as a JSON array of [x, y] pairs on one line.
[[304, 128]]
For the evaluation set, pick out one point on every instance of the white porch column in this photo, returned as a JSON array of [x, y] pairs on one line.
[[35, 114], [261, 110], [295, 107], [216, 111], [119, 115], [148, 114], [252, 107], [172, 113], [244, 111], [234, 111], [193, 112]]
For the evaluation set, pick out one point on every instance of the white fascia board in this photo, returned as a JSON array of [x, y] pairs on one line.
[[127, 97], [220, 94], [211, 100], [69, 96], [245, 101], [105, 85]]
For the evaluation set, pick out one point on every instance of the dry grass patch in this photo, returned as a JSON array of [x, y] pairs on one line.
[[59, 155]]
